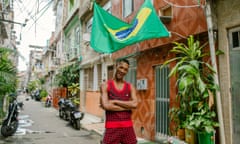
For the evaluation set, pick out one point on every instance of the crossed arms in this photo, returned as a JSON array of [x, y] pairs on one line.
[[117, 105]]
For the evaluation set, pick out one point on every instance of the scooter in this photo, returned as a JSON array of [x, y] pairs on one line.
[[69, 112], [65, 108], [75, 115], [48, 101], [10, 123], [62, 108]]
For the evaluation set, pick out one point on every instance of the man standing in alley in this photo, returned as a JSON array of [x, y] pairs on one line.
[[118, 99]]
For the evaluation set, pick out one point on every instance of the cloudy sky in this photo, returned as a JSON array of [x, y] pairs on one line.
[[39, 26]]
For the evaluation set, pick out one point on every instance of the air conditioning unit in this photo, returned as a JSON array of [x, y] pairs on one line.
[[142, 84]]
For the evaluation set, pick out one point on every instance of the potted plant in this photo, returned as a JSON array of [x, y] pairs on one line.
[[194, 83], [177, 115], [203, 119], [204, 123]]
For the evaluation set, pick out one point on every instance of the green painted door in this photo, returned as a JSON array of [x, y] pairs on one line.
[[162, 101], [235, 82], [235, 91]]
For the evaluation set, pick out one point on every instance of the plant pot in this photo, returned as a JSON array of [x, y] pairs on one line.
[[206, 138], [181, 134], [190, 136]]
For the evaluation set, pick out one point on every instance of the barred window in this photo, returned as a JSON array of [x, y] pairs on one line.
[[88, 78]]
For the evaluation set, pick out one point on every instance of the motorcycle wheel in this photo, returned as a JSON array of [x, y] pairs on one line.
[[66, 117], [77, 124], [61, 114], [9, 130]]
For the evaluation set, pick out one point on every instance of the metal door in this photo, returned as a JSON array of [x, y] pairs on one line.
[[234, 36], [235, 86], [162, 101]]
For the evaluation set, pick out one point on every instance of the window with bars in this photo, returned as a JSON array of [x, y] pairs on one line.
[[99, 74], [77, 35], [88, 78], [67, 49], [72, 43], [76, 41], [93, 77], [162, 92]]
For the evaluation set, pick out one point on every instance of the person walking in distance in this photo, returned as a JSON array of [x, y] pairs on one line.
[[118, 98]]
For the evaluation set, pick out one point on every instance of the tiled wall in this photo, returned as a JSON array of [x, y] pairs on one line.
[[144, 115]]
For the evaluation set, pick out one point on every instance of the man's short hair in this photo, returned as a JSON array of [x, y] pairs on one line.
[[123, 60]]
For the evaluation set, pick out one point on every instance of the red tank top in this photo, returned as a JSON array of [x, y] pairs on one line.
[[118, 119]]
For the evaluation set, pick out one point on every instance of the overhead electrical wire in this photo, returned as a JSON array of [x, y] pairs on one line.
[[29, 13], [181, 6], [33, 14], [41, 12], [19, 2]]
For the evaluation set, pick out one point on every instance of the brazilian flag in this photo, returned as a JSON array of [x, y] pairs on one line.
[[110, 34]]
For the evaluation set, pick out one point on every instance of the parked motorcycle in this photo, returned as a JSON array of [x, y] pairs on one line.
[[62, 108], [37, 95], [32, 94], [69, 112], [10, 123], [48, 101], [20, 105]]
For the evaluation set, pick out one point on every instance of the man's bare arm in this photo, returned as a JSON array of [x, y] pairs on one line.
[[132, 104], [108, 104]]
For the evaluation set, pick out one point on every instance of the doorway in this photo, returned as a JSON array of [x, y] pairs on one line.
[[234, 54]]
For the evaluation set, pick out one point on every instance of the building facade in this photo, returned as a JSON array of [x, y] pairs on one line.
[[7, 33], [155, 91], [158, 95], [228, 40]]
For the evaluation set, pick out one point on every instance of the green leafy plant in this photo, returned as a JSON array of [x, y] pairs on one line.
[[194, 82], [202, 120], [177, 116], [43, 93], [33, 85], [73, 89], [67, 75], [8, 74]]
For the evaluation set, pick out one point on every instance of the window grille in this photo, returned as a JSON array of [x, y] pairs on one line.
[[162, 100]]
